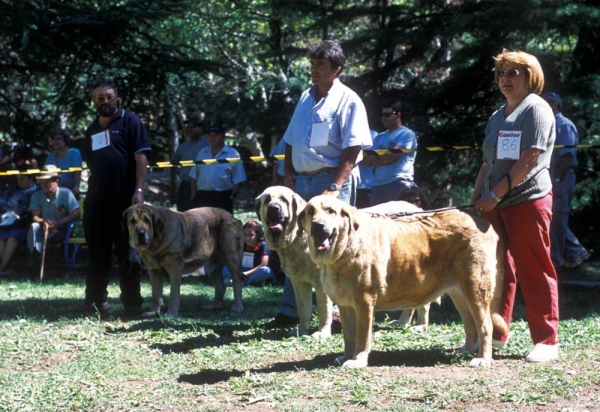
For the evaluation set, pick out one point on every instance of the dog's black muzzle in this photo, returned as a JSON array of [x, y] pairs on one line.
[[141, 237], [318, 229], [274, 213]]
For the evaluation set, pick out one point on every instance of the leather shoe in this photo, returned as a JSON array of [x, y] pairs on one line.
[[282, 321]]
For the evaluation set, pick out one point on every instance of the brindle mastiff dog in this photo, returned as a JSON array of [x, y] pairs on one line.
[[167, 241], [379, 263], [277, 208]]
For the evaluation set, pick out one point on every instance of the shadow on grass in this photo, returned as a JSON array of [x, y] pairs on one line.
[[207, 334], [405, 358], [49, 310], [576, 302]]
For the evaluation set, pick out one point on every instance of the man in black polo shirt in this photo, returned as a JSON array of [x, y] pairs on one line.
[[116, 149]]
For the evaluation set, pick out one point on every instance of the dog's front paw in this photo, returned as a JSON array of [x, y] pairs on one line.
[[170, 314], [355, 363], [237, 308], [400, 323], [321, 334], [418, 328], [149, 314], [480, 362]]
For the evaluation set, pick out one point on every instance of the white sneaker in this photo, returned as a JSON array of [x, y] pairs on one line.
[[542, 353]]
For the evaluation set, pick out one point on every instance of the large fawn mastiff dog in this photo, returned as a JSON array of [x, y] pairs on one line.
[[167, 241], [391, 208], [378, 263], [278, 208]]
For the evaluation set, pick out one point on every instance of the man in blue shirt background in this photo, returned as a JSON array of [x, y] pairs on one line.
[[394, 173], [566, 251]]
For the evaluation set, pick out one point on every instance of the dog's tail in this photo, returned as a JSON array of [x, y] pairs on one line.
[[497, 319]]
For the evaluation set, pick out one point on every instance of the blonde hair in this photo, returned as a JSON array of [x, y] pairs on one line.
[[533, 69]]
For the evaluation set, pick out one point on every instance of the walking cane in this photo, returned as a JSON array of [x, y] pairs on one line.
[[46, 230]]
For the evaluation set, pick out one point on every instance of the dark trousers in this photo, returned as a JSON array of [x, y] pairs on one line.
[[184, 193], [213, 198], [103, 230]]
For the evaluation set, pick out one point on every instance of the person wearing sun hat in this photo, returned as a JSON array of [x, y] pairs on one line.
[[54, 207], [566, 251]]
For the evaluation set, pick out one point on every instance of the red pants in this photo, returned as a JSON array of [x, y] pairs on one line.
[[525, 231]]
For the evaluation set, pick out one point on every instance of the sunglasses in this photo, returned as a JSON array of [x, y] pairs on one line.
[[388, 114], [102, 99], [509, 74], [56, 138]]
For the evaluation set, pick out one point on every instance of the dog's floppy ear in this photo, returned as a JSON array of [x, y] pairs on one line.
[[300, 219], [258, 202], [351, 214], [124, 218], [158, 224]]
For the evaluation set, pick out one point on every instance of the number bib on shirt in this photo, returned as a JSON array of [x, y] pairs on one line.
[[509, 145], [248, 260], [100, 140], [319, 134]]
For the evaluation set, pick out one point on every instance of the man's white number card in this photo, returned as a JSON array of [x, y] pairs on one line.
[[319, 134], [100, 140]]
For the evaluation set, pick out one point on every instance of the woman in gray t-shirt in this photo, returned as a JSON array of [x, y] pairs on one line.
[[513, 191]]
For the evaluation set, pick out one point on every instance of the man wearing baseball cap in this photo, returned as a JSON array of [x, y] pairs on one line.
[[566, 251]]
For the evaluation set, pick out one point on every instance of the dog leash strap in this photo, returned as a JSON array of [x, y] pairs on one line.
[[402, 214]]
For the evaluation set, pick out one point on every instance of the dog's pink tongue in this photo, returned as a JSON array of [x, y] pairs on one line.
[[322, 242], [276, 226]]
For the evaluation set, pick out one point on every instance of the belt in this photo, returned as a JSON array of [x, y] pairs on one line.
[[316, 172]]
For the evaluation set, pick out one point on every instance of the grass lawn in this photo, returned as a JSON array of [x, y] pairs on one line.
[[53, 360]]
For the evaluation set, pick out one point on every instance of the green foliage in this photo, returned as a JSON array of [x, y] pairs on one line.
[[243, 63]]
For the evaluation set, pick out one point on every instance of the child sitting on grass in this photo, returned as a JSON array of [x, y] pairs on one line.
[[255, 261]]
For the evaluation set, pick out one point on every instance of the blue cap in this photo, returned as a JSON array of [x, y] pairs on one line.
[[216, 128], [552, 97], [196, 119]]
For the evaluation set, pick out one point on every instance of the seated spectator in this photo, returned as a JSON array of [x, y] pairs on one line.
[[14, 202], [255, 262], [52, 208], [26, 159], [65, 157]]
